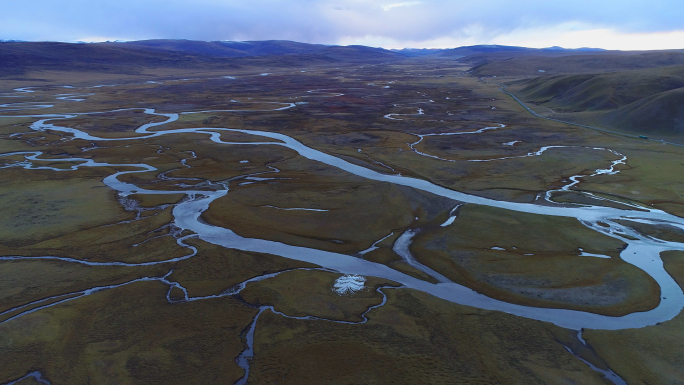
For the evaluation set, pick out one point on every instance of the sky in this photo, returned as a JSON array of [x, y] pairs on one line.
[[610, 24]]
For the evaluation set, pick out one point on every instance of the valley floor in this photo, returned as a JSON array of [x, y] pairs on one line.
[[389, 223]]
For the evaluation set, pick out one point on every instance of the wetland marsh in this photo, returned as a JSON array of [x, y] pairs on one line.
[[183, 231]]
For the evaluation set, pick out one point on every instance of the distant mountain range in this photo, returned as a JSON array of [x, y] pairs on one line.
[[283, 47], [224, 49], [487, 49], [126, 57], [229, 48], [131, 57]]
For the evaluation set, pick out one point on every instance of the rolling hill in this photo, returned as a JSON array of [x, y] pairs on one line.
[[227, 48], [661, 113], [580, 62], [484, 53], [643, 101], [18, 58]]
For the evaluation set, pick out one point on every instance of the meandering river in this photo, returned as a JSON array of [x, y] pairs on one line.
[[642, 251]]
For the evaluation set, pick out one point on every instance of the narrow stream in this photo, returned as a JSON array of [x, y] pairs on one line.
[[607, 373], [37, 377], [401, 247]]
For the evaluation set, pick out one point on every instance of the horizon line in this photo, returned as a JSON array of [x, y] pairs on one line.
[[333, 45]]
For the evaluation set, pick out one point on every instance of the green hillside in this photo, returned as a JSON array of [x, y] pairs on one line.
[[509, 64], [644, 101], [661, 113]]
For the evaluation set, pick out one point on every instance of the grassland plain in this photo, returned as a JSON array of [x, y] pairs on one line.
[[384, 117]]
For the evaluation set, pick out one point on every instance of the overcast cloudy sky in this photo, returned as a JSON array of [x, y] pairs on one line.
[[614, 24]]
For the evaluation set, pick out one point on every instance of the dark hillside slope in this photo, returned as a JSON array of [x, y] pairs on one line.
[[17, 58], [208, 48], [478, 54], [484, 53], [227, 48], [642, 101], [662, 113], [358, 53], [609, 61], [598, 92], [276, 47], [483, 49]]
